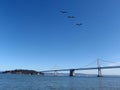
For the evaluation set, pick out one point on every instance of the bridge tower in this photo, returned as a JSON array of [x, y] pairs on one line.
[[55, 73], [55, 70], [72, 72], [99, 68]]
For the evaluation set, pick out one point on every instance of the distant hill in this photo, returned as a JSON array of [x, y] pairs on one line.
[[22, 71]]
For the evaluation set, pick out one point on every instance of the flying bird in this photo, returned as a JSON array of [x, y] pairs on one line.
[[79, 24], [63, 12], [71, 16]]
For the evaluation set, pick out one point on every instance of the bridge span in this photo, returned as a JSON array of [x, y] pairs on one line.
[[72, 70]]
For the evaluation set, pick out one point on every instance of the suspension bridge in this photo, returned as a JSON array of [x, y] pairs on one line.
[[72, 70]]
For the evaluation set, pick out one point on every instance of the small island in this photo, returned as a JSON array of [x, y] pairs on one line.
[[22, 71]]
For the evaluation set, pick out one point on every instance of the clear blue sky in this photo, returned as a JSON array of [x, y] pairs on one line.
[[35, 35]]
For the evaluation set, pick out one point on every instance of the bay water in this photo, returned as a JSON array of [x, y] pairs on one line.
[[35, 82]]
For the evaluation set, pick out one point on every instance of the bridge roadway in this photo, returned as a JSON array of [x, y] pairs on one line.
[[90, 68]]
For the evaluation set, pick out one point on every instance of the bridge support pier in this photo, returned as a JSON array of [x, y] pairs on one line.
[[99, 72], [99, 68], [55, 73], [72, 72]]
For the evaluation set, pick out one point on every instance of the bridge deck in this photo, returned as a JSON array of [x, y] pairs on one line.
[[91, 68]]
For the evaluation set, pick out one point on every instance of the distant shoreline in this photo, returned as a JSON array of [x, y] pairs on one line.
[[22, 71]]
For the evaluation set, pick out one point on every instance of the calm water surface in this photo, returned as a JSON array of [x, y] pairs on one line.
[[28, 82]]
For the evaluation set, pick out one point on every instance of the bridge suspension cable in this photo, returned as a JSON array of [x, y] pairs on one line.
[[111, 62], [93, 62], [108, 61]]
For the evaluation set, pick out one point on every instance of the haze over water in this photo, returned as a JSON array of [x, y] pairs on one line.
[[32, 82]]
